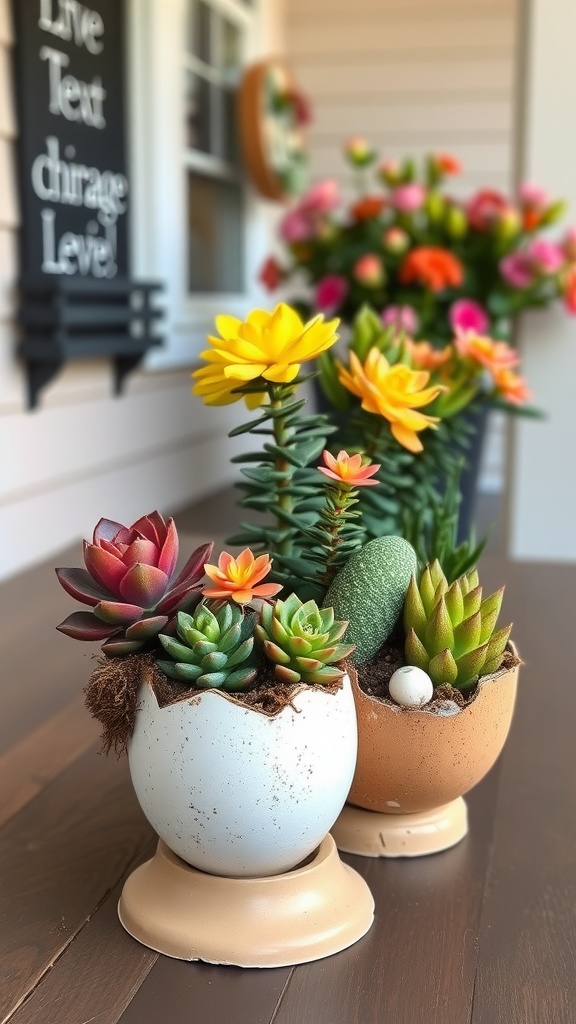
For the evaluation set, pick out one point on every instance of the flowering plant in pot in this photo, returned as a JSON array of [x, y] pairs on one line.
[[408, 405], [429, 262], [319, 539], [432, 265], [237, 713]]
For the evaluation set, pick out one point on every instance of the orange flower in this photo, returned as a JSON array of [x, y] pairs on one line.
[[349, 469], [393, 392], [431, 267], [511, 386], [531, 219], [492, 355], [368, 207], [424, 356], [236, 578], [448, 163]]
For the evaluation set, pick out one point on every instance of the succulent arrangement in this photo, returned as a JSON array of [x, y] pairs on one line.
[[331, 542], [345, 594]]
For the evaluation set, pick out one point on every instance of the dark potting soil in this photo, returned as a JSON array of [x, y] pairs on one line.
[[111, 694], [374, 676]]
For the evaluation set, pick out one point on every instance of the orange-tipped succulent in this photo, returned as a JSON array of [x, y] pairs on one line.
[[239, 579], [351, 470]]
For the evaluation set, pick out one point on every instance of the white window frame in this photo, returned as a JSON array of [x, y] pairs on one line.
[[158, 167]]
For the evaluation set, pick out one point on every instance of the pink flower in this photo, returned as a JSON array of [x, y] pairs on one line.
[[330, 293], [408, 198], [533, 196], [395, 240], [485, 209], [349, 470], [468, 315], [547, 257], [321, 198], [492, 355], [369, 270], [404, 318], [517, 270], [296, 227]]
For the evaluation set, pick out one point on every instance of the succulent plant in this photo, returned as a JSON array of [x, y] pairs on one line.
[[301, 641], [369, 591], [450, 630], [215, 649], [129, 583]]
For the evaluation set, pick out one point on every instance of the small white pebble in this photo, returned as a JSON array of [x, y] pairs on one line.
[[411, 687]]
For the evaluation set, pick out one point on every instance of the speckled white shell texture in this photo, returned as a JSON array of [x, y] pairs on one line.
[[238, 793]]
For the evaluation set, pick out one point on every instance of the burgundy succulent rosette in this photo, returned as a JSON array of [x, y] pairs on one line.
[[130, 585]]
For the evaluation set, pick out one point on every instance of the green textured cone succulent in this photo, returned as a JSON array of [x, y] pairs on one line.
[[302, 641], [450, 630], [215, 650]]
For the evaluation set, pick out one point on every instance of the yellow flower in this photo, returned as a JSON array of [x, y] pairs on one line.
[[394, 392], [268, 345]]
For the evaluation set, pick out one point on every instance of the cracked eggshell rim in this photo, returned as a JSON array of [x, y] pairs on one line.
[[239, 793], [412, 759]]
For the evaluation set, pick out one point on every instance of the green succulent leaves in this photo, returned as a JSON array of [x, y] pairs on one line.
[[450, 630], [215, 650], [301, 641]]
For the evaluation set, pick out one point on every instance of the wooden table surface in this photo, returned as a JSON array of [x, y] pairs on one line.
[[483, 933]]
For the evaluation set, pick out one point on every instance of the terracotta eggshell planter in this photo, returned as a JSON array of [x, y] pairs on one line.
[[237, 792], [414, 765]]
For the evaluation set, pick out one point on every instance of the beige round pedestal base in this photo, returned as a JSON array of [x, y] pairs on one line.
[[372, 834], [302, 915]]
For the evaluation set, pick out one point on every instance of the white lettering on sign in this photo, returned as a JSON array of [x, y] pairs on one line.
[[88, 254], [73, 21], [60, 181], [74, 99]]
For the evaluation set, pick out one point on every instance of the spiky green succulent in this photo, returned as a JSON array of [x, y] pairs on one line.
[[302, 641], [215, 650], [450, 630]]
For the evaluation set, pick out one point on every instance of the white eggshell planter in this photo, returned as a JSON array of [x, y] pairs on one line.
[[239, 793]]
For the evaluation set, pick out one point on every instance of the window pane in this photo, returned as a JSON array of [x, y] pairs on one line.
[[215, 218], [231, 51], [200, 30], [197, 106]]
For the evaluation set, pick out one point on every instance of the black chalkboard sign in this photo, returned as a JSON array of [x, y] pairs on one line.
[[74, 184], [77, 299]]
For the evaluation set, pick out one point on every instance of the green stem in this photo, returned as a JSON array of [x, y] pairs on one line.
[[343, 498], [282, 433]]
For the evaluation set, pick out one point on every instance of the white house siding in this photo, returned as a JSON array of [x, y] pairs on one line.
[[542, 523], [413, 76], [84, 453]]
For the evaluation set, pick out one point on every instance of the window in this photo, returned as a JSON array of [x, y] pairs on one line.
[[214, 187], [196, 224]]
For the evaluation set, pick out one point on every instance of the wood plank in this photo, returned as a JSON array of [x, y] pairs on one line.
[[418, 116], [418, 961], [96, 976], [428, 33], [177, 992], [28, 766], [61, 856], [427, 76], [528, 938]]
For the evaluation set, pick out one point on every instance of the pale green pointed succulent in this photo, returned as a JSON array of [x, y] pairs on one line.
[[302, 641], [450, 630], [215, 650]]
